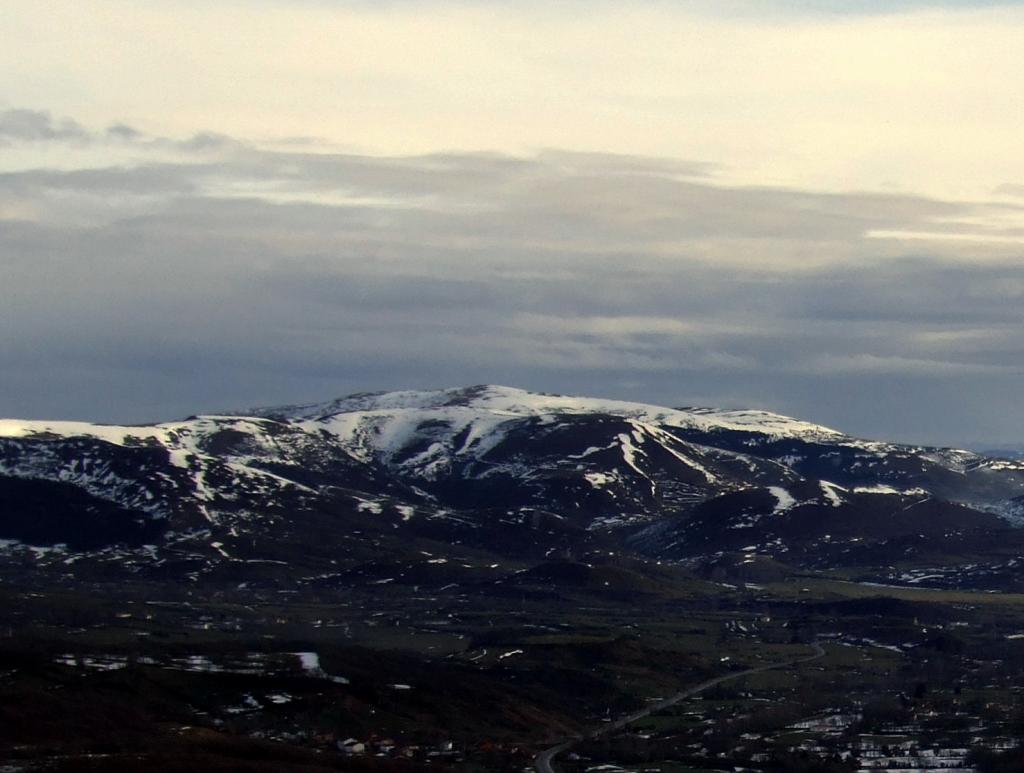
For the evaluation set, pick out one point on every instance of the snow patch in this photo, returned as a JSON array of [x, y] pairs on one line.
[[784, 501], [832, 493], [599, 480]]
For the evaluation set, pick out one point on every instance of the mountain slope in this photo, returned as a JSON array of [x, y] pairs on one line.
[[509, 474]]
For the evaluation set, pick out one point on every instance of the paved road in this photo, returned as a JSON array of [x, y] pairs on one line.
[[542, 762]]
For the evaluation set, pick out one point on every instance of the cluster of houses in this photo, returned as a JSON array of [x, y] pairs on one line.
[[898, 752], [898, 747], [383, 746], [445, 751], [831, 735]]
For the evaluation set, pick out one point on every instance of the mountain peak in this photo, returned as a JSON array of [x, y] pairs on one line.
[[513, 401]]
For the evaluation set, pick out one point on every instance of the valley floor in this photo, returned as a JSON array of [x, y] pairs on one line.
[[137, 676]]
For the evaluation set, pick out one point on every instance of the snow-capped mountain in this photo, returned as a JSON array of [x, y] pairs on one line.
[[498, 469], [456, 426]]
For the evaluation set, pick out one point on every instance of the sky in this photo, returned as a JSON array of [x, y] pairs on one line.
[[815, 208]]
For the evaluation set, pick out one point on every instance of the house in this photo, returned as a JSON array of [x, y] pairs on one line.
[[352, 746]]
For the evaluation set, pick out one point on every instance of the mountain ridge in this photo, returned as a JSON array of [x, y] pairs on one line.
[[513, 473]]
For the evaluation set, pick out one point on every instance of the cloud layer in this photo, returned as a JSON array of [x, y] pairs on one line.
[[919, 96], [210, 273]]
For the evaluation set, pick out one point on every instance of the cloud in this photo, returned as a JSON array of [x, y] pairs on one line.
[[39, 126], [622, 327], [556, 201], [866, 364], [216, 274], [811, 95]]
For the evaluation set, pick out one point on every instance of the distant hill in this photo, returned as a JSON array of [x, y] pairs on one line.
[[392, 487]]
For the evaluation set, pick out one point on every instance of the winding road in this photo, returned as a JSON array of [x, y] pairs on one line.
[[542, 762]]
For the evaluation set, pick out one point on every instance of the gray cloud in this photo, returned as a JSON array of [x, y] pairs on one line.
[[238, 274], [38, 126]]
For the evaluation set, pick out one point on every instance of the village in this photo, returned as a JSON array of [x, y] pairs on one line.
[[915, 680], [753, 726]]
